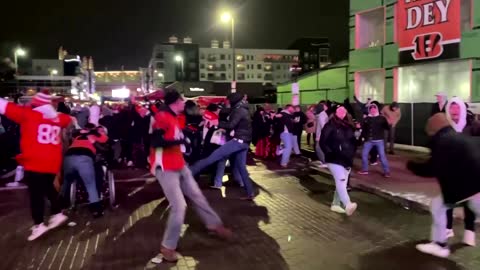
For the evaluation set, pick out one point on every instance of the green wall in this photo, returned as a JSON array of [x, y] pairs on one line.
[[331, 83]]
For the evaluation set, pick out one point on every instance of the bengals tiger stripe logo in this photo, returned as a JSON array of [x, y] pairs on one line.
[[428, 46]]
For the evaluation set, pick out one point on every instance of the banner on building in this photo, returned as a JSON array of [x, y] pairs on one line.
[[428, 30]]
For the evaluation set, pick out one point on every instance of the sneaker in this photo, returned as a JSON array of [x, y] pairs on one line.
[[363, 172], [215, 187], [223, 232], [168, 255], [37, 231], [337, 209], [469, 238], [56, 220], [434, 249], [284, 166], [374, 163], [350, 209], [387, 175], [450, 233]]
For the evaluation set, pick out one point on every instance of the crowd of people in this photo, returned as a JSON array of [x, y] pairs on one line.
[[177, 141]]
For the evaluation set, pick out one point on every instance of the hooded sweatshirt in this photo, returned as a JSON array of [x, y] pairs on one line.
[[462, 122], [454, 161], [41, 135]]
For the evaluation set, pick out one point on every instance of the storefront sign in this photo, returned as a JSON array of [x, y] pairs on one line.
[[428, 30], [196, 89]]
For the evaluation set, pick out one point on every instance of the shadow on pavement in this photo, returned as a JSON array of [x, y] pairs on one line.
[[133, 247], [402, 257]]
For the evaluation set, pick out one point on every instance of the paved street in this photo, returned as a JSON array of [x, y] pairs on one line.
[[290, 226]]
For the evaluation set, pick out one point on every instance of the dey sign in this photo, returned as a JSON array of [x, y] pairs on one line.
[[428, 29]]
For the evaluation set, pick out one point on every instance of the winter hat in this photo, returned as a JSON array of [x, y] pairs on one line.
[[42, 98], [210, 116], [172, 96], [436, 123], [441, 94], [235, 98]]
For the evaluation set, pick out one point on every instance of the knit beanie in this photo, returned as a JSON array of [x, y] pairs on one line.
[[42, 98], [235, 98], [436, 123]]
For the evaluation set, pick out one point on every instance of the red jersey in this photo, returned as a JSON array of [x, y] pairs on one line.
[[41, 137], [167, 158]]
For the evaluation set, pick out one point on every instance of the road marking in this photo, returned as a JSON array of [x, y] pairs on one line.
[[66, 253], [85, 253], [55, 254], [74, 255], [43, 259]]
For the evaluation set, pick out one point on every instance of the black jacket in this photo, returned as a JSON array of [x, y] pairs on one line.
[[455, 162], [239, 121], [373, 128], [337, 142], [298, 126], [436, 108], [286, 121]]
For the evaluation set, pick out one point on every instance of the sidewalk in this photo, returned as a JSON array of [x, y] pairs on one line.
[[403, 187]]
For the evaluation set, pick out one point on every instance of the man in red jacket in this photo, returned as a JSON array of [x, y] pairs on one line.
[[176, 180], [41, 155]]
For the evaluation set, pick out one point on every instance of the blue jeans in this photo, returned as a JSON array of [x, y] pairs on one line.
[[367, 147], [240, 165], [231, 148], [177, 185], [290, 144], [340, 175], [82, 167], [220, 172]]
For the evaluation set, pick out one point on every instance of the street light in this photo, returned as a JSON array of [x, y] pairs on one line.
[[179, 59], [226, 18], [16, 53]]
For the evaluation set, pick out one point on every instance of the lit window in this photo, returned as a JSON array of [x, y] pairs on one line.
[[370, 30]]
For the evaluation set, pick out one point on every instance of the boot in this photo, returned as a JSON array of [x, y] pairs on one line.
[[469, 238], [96, 209]]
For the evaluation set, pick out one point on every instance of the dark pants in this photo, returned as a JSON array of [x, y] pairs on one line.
[[390, 138], [40, 185], [469, 219], [299, 140]]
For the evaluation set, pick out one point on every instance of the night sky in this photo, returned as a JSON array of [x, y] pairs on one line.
[[123, 32]]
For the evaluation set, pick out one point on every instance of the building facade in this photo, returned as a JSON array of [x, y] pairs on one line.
[[266, 66], [174, 61], [314, 53], [406, 51]]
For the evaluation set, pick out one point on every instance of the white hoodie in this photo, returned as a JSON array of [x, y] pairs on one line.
[[462, 122]]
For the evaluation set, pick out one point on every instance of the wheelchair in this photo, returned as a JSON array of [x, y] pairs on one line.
[[105, 181]]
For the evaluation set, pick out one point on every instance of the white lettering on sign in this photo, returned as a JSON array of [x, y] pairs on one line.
[[197, 89], [419, 16]]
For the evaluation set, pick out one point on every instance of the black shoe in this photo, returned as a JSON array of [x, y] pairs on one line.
[[96, 209]]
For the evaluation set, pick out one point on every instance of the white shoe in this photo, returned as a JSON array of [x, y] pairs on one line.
[[350, 209], [337, 209], [450, 233], [469, 238], [37, 231], [434, 249], [56, 220]]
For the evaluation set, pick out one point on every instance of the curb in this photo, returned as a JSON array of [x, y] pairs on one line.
[[404, 202]]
